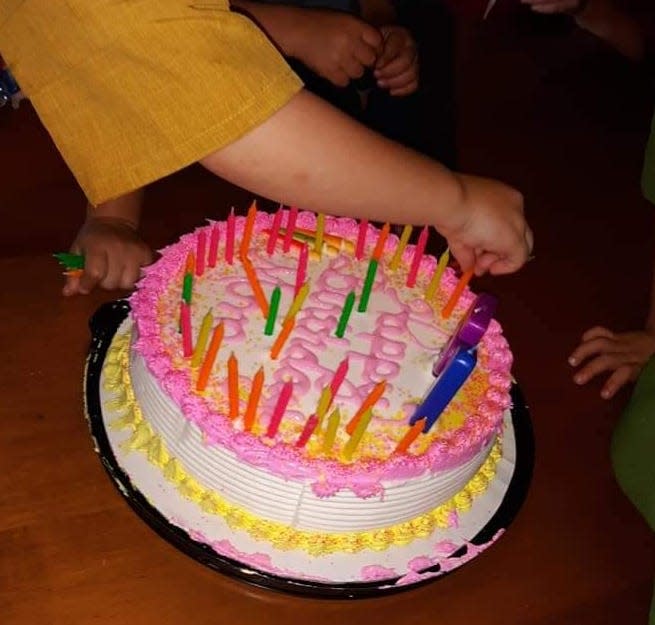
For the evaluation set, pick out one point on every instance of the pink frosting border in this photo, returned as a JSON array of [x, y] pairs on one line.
[[327, 476]]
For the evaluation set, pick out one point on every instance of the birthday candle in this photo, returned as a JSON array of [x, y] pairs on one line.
[[298, 301], [339, 376], [369, 402], [436, 276], [382, 239], [253, 401], [190, 265], [307, 431], [185, 325], [229, 240], [213, 246], [410, 436], [331, 430], [201, 252], [210, 357], [301, 272], [368, 285], [291, 224], [233, 385], [320, 229], [282, 338], [275, 230], [255, 285], [357, 434], [418, 256], [247, 230], [187, 287], [272, 311], [203, 337], [323, 403], [345, 314], [280, 407], [456, 294], [361, 239], [400, 248]]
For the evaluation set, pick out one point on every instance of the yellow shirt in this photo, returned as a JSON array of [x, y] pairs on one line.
[[133, 90]]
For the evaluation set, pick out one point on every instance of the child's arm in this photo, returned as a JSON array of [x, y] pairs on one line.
[[113, 251], [336, 45], [308, 154]]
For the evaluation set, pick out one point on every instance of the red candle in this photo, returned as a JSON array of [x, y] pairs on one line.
[[201, 252], [185, 326], [229, 241], [339, 376], [213, 246], [418, 257], [275, 230], [280, 407], [291, 226], [307, 431], [301, 272], [247, 230], [361, 239]]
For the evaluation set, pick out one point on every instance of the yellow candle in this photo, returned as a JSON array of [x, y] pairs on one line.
[[297, 302], [352, 444], [203, 337], [323, 404], [402, 244], [320, 229], [331, 431], [438, 272]]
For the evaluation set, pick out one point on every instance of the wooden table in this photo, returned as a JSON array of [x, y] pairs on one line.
[[73, 552]]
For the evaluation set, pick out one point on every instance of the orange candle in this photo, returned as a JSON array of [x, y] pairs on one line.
[[190, 266], [369, 402], [457, 293], [282, 338], [210, 357], [253, 401], [247, 230], [256, 286], [410, 436], [382, 239], [233, 385]]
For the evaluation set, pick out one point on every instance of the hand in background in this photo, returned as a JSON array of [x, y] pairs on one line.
[[492, 234], [337, 46], [621, 355], [397, 68], [113, 255], [556, 6]]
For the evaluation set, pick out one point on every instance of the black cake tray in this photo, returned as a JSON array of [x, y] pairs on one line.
[[104, 324]]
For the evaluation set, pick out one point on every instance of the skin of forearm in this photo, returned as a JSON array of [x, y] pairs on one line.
[[126, 208], [616, 28], [311, 155]]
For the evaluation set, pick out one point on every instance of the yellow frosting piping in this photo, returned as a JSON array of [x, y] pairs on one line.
[[282, 537]]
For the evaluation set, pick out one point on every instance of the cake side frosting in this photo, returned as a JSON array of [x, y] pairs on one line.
[[465, 433]]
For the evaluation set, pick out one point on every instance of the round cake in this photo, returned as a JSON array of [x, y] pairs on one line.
[[272, 394]]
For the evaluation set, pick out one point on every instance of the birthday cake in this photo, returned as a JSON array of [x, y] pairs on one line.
[[273, 394]]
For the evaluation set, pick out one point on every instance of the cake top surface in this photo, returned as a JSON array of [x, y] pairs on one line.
[[385, 354]]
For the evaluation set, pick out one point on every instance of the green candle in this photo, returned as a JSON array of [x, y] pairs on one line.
[[272, 311], [187, 287], [345, 314], [368, 285], [70, 261]]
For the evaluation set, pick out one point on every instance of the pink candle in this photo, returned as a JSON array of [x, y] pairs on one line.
[[291, 226], [301, 272], [339, 376], [229, 241], [213, 246], [280, 407], [185, 326], [307, 431], [361, 239], [275, 230], [418, 257], [201, 252]]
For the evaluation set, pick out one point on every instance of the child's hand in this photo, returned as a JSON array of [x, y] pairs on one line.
[[622, 356], [113, 255], [397, 67], [335, 45], [489, 232]]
